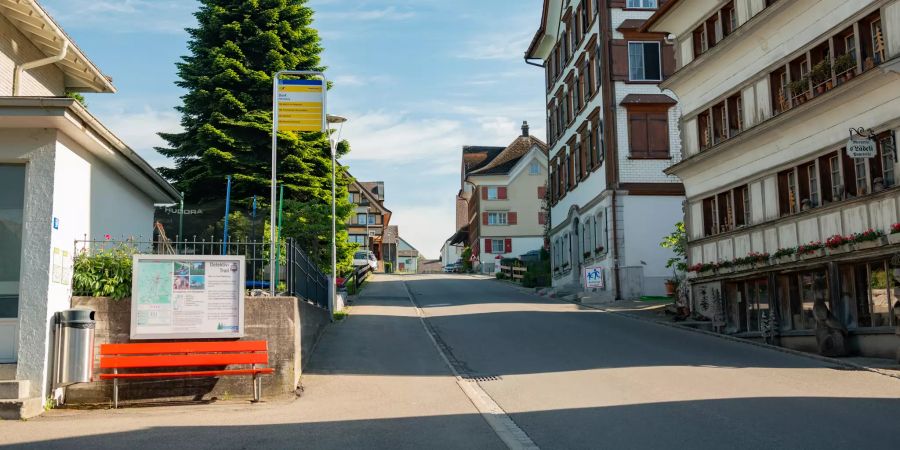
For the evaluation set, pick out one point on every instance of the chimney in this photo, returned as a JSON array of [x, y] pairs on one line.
[[524, 128]]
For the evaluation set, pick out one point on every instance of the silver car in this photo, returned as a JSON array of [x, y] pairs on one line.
[[363, 258]]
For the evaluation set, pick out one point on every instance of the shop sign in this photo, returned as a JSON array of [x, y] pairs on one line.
[[861, 148]]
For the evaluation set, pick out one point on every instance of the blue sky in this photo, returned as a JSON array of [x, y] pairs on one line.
[[418, 79]]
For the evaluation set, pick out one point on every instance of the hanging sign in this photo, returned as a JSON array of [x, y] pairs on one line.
[[861, 148], [187, 297], [593, 278], [300, 105]]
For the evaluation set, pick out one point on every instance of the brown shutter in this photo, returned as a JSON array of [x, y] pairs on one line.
[[484, 218], [484, 192], [619, 50], [668, 60], [512, 218], [583, 147], [507, 243], [488, 248], [542, 192], [658, 134], [616, 3], [542, 218], [637, 134], [501, 193]]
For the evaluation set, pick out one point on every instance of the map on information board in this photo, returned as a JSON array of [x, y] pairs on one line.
[[187, 297]]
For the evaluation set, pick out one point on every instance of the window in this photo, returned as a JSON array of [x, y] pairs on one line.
[[497, 218], [741, 207], [886, 145], [787, 192], [878, 41], [586, 237], [729, 18], [641, 4], [497, 246], [862, 179], [648, 134], [813, 185], [358, 239], [492, 193], [746, 306], [600, 233], [534, 168], [726, 213], [361, 219], [850, 45], [837, 189], [644, 62], [798, 292], [598, 74], [710, 216]]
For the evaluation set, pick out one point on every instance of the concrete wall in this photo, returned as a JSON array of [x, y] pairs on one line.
[[16, 49], [290, 326]]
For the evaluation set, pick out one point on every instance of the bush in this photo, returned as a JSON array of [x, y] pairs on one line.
[[388, 267], [106, 273], [538, 275], [501, 276]]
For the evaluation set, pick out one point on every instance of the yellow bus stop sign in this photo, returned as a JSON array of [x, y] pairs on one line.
[[301, 105]]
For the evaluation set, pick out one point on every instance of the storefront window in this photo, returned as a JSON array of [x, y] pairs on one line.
[[868, 290], [797, 293], [746, 305]]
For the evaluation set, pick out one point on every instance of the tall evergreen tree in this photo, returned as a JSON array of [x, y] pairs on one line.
[[227, 116]]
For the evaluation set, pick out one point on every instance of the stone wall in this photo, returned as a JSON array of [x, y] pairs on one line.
[[290, 326]]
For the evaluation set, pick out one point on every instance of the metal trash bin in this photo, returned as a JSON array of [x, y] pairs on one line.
[[74, 346]]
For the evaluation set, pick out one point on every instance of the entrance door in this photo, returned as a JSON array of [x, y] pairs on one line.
[[12, 201]]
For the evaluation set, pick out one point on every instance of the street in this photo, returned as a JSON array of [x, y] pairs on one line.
[[566, 377]]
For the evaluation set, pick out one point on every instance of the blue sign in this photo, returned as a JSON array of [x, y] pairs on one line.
[[593, 277]]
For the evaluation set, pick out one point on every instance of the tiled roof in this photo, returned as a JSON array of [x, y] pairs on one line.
[[508, 158], [648, 99], [391, 234], [476, 156]]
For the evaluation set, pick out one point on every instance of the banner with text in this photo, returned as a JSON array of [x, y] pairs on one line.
[[187, 297]]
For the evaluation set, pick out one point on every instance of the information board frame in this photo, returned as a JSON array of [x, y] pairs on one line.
[[137, 334]]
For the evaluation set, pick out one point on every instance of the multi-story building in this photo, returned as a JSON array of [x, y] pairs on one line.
[[370, 218], [503, 191], [790, 114], [612, 133]]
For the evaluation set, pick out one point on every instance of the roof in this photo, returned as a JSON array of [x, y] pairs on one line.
[[630, 25], [374, 187], [648, 99], [511, 155], [411, 252], [81, 75], [662, 11], [477, 156], [391, 234], [539, 34]]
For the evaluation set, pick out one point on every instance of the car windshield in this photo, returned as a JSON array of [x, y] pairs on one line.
[[359, 255]]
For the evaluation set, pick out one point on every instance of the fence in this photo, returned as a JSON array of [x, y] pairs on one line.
[[297, 274], [513, 272]]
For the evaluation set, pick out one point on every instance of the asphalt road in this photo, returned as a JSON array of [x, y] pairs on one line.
[[566, 377]]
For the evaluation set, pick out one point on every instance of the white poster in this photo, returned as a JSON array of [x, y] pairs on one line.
[[185, 297], [593, 278]]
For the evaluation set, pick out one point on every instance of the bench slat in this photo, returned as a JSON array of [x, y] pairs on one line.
[[200, 373], [157, 348], [221, 359]]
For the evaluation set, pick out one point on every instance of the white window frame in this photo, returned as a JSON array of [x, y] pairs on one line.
[[834, 169], [534, 168], [644, 60], [493, 193], [494, 246], [862, 182], [642, 4], [812, 174], [887, 161], [496, 218]]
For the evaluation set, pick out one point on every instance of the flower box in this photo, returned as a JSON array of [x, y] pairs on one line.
[[837, 250], [812, 255], [894, 238], [726, 269], [865, 245], [786, 259]]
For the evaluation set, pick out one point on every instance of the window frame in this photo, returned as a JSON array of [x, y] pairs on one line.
[[629, 4], [498, 218], [643, 45]]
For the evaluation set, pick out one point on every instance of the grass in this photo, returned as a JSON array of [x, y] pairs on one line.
[[340, 315]]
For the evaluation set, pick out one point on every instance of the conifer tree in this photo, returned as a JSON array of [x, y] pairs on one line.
[[234, 51]]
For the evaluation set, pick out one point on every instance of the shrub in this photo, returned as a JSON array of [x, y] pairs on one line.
[[106, 273], [538, 274], [501, 276]]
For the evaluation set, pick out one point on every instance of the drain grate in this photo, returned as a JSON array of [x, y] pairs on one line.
[[482, 378]]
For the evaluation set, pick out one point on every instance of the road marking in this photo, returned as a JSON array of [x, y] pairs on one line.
[[507, 430]]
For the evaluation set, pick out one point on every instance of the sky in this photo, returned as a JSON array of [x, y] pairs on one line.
[[417, 79]]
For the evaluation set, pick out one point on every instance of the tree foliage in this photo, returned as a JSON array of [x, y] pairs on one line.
[[226, 114], [677, 242]]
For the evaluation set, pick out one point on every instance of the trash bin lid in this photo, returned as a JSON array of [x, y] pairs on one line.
[[76, 315]]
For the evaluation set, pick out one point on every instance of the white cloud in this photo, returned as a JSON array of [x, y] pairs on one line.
[[497, 46], [124, 16], [138, 129], [427, 227], [389, 13]]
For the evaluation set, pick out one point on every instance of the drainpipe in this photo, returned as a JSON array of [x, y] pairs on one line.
[[615, 246], [17, 73]]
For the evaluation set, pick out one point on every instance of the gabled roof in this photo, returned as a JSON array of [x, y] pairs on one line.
[[81, 75], [379, 204], [409, 253], [510, 156], [478, 156]]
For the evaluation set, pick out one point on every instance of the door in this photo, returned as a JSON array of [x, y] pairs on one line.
[[12, 202]]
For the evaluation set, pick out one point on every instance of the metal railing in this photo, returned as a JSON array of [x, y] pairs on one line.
[[297, 275]]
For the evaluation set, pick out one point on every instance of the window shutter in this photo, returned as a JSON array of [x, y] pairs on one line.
[[501, 193], [488, 248], [484, 218], [637, 134], [668, 60], [512, 218], [542, 192], [619, 53], [542, 218], [484, 192], [508, 245], [658, 135]]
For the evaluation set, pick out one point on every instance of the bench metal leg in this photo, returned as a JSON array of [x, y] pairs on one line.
[[258, 388], [115, 390], [255, 388]]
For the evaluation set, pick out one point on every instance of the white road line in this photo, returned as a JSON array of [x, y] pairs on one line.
[[507, 430]]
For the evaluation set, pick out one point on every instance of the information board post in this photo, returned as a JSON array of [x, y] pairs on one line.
[[297, 105]]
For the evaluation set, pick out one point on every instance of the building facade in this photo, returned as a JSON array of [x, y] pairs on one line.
[[63, 176], [504, 190], [791, 110], [612, 133], [370, 218]]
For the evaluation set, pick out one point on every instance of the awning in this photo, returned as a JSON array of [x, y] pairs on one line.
[[460, 237]]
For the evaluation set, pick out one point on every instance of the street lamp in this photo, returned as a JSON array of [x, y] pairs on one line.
[[333, 143]]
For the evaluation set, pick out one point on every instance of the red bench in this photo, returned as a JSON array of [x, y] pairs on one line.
[[184, 354]]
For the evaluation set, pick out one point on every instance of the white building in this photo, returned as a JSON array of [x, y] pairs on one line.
[[63, 177], [770, 92], [612, 133]]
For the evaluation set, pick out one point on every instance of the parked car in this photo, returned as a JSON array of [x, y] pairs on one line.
[[365, 258], [452, 268]]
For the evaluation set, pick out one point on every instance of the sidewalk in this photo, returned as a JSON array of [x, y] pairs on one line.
[[374, 381]]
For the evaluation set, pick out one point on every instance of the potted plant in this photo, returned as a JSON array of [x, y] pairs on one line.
[[798, 88], [868, 63], [810, 250], [672, 285], [845, 67], [785, 255], [894, 237], [587, 255], [821, 74], [870, 238], [837, 244]]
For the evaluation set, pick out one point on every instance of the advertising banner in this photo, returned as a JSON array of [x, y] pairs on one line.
[[187, 297]]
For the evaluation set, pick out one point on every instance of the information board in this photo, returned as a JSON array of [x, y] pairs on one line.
[[187, 297], [300, 105], [593, 278]]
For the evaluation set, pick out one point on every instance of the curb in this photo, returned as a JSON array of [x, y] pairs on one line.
[[820, 358]]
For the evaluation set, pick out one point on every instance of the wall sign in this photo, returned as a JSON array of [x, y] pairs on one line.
[[187, 297], [861, 148], [593, 278]]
